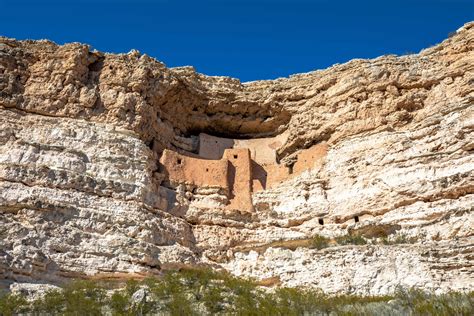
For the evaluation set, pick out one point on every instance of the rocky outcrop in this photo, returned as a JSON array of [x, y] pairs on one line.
[[364, 270], [85, 190], [79, 199]]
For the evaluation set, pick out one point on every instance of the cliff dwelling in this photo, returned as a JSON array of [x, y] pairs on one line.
[[238, 167]]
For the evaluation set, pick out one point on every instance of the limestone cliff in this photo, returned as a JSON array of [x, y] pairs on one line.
[[115, 166]]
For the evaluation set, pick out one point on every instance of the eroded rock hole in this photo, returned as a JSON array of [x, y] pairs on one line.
[[356, 219], [321, 221], [179, 161], [290, 169]]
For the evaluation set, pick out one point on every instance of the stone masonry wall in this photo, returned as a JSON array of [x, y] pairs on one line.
[[195, 171]]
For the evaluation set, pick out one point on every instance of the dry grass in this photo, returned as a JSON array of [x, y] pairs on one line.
[[269, 282]]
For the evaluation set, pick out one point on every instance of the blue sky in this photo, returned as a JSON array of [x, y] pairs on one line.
[[249, 40]]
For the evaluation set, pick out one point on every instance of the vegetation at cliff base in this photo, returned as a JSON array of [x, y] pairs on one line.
[[206, 292]]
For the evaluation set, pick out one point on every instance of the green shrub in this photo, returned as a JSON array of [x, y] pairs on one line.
[[351, 240], [83, 298], [399, 239], [52, 303], [131, 287], [319, 242], [119, 303], [244, 294], [76, 298], [12, 304], [404, 239], [424, 303], [172, 290], [290, 301]]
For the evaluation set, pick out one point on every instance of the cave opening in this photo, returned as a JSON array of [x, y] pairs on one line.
[[235, 127], [230, 134]]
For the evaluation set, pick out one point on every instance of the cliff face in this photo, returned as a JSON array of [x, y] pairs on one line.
[[108, 170]]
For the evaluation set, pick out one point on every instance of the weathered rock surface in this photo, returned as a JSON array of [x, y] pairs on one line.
[[83, 194], [78, 199]]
